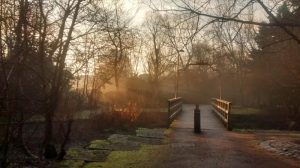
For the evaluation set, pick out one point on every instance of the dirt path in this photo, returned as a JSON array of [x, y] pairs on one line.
[[216, 147]]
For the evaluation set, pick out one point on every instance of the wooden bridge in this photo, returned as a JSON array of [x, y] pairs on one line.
[[215, 146], [219, 107]]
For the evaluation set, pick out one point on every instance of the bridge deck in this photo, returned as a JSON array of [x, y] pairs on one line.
[[208, 120], [215, 147]]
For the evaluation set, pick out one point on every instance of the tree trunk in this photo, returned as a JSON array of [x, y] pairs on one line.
[[62, 151]]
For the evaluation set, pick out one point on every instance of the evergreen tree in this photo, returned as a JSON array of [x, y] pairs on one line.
[[276, 65]]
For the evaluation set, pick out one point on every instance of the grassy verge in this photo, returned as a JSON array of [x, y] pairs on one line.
[[253, 118]]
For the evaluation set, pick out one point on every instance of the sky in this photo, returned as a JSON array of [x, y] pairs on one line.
[[139, 8]]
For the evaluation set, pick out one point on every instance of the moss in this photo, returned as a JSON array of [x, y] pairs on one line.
[[118, 138], [70, 164], [100, 144], [146, 156], [93, 165], [90, 155], [74, 153]]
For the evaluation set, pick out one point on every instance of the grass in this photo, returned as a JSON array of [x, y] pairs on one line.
[[146, 156], [99, 144], [246, 111], [252, 119], [93, 165], [245, 118], [91, 155], [70, 163]]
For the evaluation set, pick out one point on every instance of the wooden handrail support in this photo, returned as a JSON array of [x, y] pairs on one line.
[[222, 108], [174, 108]]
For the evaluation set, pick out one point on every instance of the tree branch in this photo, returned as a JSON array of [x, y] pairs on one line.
[[282, 26]]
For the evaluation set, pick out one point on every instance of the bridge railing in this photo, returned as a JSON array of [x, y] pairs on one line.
[[174, 108], [222, 108]]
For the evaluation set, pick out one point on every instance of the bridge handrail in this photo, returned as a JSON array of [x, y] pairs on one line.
[[174, 108], [222, 108]]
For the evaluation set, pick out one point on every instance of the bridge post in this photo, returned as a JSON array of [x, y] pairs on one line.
[[197, 119], [229, 127], [169, 114]]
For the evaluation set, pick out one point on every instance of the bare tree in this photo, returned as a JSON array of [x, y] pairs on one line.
[[35, 40], [120, 38], [234, 12], [159, 56]]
